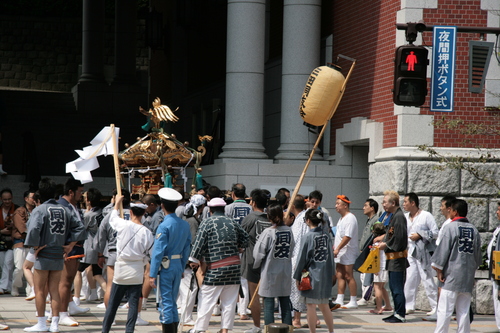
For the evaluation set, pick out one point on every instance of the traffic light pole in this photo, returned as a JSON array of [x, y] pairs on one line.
[[479, 30]]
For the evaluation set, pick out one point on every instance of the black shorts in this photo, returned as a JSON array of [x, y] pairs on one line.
[[96, 270]]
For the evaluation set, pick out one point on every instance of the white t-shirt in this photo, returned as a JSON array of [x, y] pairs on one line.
[[440, 233], [134, 244], [347, 226]]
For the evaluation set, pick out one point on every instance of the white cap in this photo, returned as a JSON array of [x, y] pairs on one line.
[[216, 202], [169, 194]]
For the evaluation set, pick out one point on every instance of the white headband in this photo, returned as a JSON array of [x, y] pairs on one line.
[[139, 205]]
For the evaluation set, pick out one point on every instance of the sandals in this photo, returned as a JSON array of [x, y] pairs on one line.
[[374, 311], [318, 325]]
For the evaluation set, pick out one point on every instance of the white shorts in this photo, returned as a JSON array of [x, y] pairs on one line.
[[382, 276], [31, 255]]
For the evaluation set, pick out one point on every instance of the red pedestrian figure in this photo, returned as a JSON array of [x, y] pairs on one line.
[[411, 60]]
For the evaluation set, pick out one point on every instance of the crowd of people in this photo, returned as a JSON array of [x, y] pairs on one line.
[[224, 252]]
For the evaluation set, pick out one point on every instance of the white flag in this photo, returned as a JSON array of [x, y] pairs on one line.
[[102, 144]]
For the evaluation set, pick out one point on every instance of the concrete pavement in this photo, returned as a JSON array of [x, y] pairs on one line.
[[18, 314]]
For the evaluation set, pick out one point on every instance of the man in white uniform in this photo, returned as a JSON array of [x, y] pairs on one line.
[[346, 251], [422, 233], [494, 245]]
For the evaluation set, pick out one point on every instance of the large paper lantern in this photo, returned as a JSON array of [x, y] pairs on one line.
[[321, 94]]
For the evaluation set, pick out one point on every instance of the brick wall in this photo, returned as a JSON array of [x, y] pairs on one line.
[[367, 33], [468, 106], [44, 53]]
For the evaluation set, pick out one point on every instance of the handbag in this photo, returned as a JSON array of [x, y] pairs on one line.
[[372, 262], [368, 293], [305, 281]]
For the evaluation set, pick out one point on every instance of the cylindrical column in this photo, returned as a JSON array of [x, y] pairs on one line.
[[125, 41], [245, 79], [301, 54], [93, 41]]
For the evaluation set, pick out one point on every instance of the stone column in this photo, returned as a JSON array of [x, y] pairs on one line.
[[125, 41], [93, 41], [301, 54], [245, 79]]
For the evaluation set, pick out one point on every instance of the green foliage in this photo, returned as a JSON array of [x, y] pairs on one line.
[[484, 261], [478, 157]]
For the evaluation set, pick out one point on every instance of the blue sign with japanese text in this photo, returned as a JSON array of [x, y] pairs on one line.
[[443, 68]]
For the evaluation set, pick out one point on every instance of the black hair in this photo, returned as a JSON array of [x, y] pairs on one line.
[[299, 202], [5, 190], [315, 216], [283, 190], [448, 199], [275, 214], [239, 190], [36, 197], [316, 195], [412, 197], [260, 197], [214, 192], [138, 211], [373, 204], [71, 185], [378, 229], [94, 196], [148, 199], [46, 189], [217, 209], [281, 198], [126, 198], [27, 193], [170, 206], [460, 206]]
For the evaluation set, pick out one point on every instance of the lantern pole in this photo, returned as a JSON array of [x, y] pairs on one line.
[[320, 135]]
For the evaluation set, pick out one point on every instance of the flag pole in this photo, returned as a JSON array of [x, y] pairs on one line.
[[117, 166]]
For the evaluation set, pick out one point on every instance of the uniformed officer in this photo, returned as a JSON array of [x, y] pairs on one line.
[[170, 254]]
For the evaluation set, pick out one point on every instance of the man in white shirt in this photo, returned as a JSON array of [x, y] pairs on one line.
[[445, 210], [346, 251], [422, 233]]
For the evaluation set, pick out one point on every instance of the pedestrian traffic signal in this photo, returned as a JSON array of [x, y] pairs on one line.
[[410, 75]]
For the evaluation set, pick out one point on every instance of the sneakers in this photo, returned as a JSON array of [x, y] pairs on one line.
[[189, 322], [3, 327], [334, 306], [65, 320], [395, 318], [362, 302], [14, 292], [431, 312], [141, 322], [432, 317], [48, 314], [350, 305], [124, 306], [216, 311], [54, 326], [254, 330], [74, 310], [410, 311], [93, 295], [37, 328], [194, 331], [31, 296], [101, 306]]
